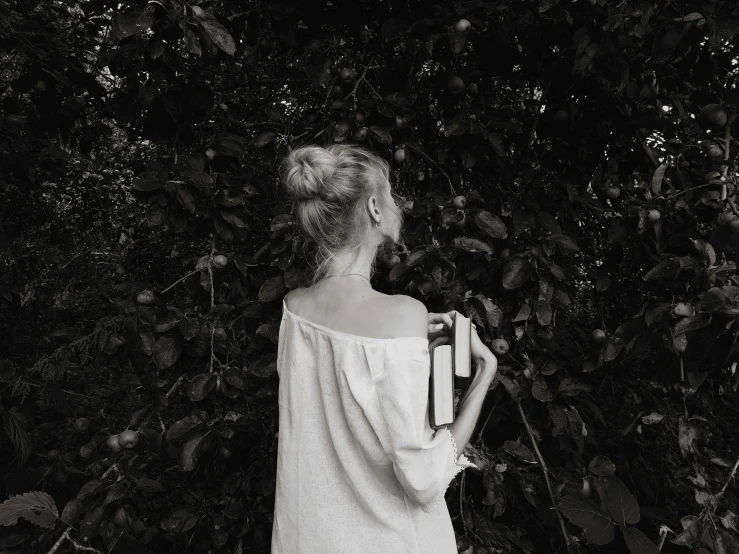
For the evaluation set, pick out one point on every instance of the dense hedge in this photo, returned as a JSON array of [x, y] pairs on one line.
[[570, 178]]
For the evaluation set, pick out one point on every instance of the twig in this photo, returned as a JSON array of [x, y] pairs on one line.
[[675, 195], [210, 272], [353, 93], [479, 435], [451, 186], [651, 157], [708, 514], [180, 280], [727, 144], [212, 354], [544, 469], [170, 392], [59, 541]]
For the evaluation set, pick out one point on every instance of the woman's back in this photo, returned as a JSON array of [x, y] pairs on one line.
[[359, 469]]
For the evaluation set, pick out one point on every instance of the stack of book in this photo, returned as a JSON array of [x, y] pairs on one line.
[[447, 361]]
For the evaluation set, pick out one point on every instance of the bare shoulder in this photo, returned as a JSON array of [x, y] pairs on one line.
[[408, 315]]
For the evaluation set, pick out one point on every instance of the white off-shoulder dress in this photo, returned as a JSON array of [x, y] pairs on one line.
[[359, 468]]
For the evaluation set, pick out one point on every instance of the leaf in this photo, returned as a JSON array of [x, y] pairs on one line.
[[182, 428], [620, 502], [192, 449], [550, 223], [380, 134], [193, 44], [545, 5], [580, 511], [692, 323], [568, 243], [219, 35], [457, 40], [602, 466], [272, 289], [230, 144], [520, 451], [186, 200], [662, 269], [37, 507], [232, 218], [264, 137], [637, 541], [491, 224], [693, 16], [201, 385], [651, 419], [659, 175], [16, 427], [180, 520], [541, 392], [394, 28], [470, 244], [543, 312], [515, 273], [166, 352], [687, 434]]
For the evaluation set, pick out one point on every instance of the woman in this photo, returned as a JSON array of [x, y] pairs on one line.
[[359, 469]]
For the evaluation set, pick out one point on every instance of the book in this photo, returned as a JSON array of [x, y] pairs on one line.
[[447, 361]]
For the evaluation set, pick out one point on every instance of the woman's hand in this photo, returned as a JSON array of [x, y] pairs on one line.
[[439, 328]]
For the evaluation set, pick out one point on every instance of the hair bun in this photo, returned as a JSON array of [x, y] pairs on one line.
[[307, 169]]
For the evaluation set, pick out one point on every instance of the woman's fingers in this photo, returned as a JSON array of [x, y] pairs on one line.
[[438, 341]]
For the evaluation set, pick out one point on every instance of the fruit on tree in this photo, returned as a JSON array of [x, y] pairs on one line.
[[113, 443], [210, 153], [500, 347], [266, 46], [400, 155], [472, 88], [220, 261], [348, 75], [427, 287], [613, 192], [734, 227], [85, 451], [146, 297], [360, 134], [598, 336], [393, 260], [586, 489], [82, 424], [712, 150], [225, 452], [128, 439], [360, 117], [53, 454], [712, 116], [684, 309], [462, 26], [561, 116], [337, 91], [250, 191], [198, 12], [399, 122], [505, 253], [455, 85], [711, 175], [459, 201], [653, 215], [546, 333]]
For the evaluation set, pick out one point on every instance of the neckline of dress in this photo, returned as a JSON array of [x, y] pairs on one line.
[[341, 334]]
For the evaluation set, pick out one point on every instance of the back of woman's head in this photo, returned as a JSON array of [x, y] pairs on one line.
[[329, 187]]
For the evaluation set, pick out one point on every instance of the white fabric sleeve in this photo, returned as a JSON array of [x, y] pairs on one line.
[[424, 460]]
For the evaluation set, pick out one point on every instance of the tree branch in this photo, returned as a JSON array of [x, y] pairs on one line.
[[544, 469]]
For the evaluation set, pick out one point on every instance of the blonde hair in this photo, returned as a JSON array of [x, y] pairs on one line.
[[329, 187]]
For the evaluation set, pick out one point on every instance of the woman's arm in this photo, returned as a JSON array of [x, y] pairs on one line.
[[471, 404]]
